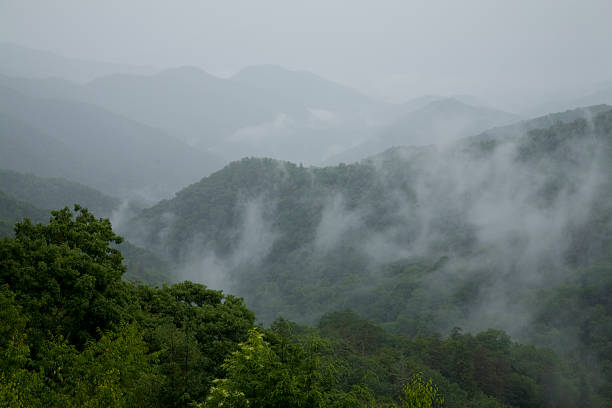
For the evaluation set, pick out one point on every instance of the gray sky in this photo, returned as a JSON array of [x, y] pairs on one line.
[[391, 49]]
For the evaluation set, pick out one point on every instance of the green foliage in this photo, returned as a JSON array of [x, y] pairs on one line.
[[448, 278], [73, 334], [581, 308], [419, 393], [19, 387], [282, 374], [63, 273], [254, 379], [50, 193], [302, 276], [116, 370], [487, 369], [144, 266], [363, 336], [194, 329]]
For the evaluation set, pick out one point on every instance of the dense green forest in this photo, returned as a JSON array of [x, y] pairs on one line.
[[508, 230], [312, 204], [475, 273], [28, 196], [73, 333], [305, 205], [52, 193], [368, 284], [434, 325], [366, 235]]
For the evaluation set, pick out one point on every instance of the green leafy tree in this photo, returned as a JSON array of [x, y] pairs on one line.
[[63, 274], [115, 371], [256, 377], [194, 329], [19, 387], [419, 393]]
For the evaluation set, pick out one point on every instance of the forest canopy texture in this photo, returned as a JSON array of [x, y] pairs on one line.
[[73, 333], [305, 204]]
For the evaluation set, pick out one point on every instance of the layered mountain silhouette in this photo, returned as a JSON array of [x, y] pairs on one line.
[[88, 144]]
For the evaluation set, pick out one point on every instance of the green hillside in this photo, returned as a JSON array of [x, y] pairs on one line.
[[329, 228], [88, 338], [420, 240], [25, 196], [49, 193], [13, 210]]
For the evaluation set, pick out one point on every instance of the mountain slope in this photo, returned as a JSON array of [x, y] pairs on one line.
[[27, 149], [96, 147], [230, 117], [305, 88], [439, 122], [515, 235], [442, 121], [13, 210], [19, 191], [188, 103], [301, 241], [500, 134], [53, 193], [16, 60]]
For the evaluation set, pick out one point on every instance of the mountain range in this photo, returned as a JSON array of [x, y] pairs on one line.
[[263, 111], [305, 240], [449, 214], [88, 144], [20, 61]]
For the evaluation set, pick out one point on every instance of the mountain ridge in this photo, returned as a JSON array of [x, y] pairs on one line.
[[129, 155], [282, 235], [24, 61]]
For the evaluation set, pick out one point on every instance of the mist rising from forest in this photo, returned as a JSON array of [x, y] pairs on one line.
[[503, 217], [363, 182]]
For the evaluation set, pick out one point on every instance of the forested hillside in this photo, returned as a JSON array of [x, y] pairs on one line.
[[486, 234], [13, 210], [87, 338], [440, 121], [50, 193], [315, 204], [429, 208], [28, 196]]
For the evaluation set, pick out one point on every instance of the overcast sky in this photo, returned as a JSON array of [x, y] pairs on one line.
[[392, 49]]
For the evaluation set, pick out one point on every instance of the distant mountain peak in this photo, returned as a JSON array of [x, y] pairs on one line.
[[189, 71], [303, 86], [274, 75], [448, 101], [271, 69]]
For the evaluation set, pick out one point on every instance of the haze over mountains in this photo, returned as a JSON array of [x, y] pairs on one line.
[[91, 145], [441, 121], [513, 197], [261, 111], [309, 198], [22, 61]]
